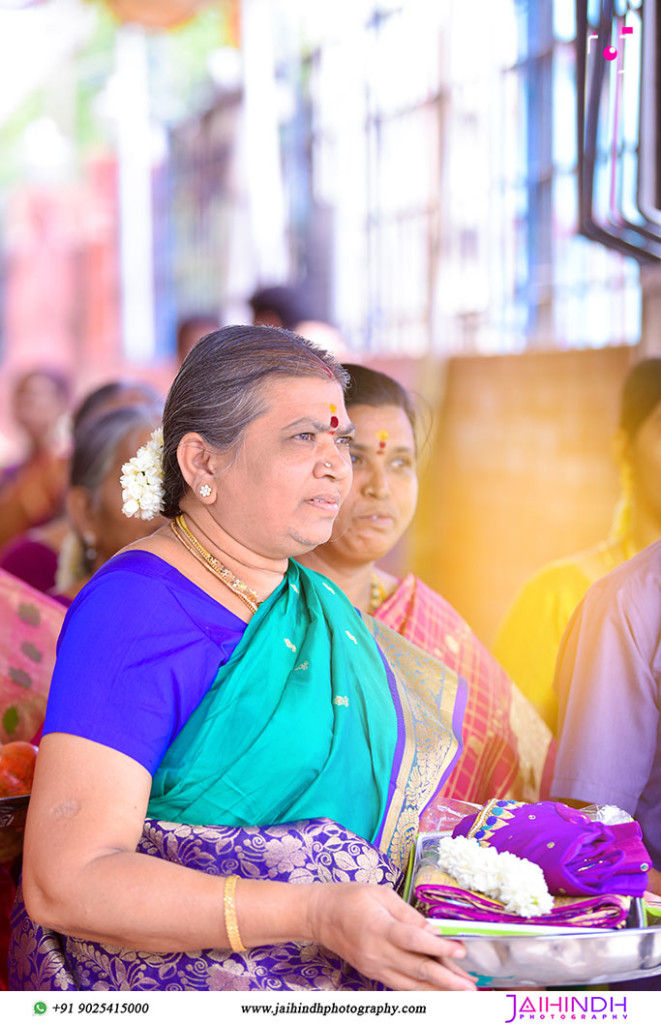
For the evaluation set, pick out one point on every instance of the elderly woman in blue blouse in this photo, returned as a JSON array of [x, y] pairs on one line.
[[223, 724]]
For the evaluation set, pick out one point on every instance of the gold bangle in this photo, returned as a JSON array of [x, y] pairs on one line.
[[231, 926]]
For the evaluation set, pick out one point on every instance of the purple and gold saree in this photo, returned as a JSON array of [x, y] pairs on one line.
[[389, 717]]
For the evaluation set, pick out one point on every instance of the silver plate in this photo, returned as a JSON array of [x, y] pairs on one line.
[[538, 961], [521, 961]]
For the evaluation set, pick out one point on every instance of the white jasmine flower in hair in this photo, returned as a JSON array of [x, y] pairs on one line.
[[142, 479], [518, 884]]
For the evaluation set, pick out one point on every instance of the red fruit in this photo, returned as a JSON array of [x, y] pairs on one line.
[[16, 768]]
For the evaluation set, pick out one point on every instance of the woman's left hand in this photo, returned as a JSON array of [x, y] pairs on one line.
[[385, 938]]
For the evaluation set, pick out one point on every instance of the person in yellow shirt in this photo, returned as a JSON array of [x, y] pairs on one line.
[[529, 637]]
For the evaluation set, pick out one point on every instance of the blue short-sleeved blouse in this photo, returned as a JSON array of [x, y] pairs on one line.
[[139, 648]]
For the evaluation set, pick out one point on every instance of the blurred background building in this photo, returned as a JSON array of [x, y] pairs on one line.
[[466, 189]]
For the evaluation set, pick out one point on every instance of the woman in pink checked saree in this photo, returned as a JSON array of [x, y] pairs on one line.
[[507, 748]]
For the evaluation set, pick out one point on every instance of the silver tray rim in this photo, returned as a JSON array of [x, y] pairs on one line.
[[617, 955]]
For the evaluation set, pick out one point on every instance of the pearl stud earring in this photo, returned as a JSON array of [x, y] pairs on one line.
[[205, 490]]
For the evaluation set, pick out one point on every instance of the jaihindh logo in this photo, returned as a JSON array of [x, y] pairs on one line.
[[574, 1007]]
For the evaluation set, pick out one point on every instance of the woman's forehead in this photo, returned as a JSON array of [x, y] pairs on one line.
[[371, 414], [282, 394]]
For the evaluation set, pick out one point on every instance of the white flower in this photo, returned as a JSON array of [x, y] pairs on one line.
[[142, 479], [519, 884]]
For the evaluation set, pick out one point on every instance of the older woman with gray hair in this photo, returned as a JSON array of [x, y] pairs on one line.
[[94, 500], [234, 760], [33, 556]]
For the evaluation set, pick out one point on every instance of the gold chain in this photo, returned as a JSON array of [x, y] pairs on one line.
[[377, 592], [191, 543]]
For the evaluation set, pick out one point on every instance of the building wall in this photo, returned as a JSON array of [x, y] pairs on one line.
[[519, 471]]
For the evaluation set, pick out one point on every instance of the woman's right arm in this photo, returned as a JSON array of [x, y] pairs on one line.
[[82, 876]]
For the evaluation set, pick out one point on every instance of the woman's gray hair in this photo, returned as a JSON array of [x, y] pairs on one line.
[[218, 391], [98, 438]]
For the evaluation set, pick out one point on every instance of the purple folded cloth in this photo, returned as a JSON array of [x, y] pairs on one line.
[[450, 901], [579, 857]]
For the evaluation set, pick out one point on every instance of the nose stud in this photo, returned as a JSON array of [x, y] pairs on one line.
[[327, 465]]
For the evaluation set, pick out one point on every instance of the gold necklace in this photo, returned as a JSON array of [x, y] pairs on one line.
[[377, 593], [181, 531]]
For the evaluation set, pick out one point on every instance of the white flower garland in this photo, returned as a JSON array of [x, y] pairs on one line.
[[142, 479], [518, 884]]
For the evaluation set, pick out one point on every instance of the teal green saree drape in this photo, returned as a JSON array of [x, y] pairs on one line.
[[311, 718]]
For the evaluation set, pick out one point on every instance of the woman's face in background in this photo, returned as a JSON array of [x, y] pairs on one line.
[[384, 492], [37, 406]]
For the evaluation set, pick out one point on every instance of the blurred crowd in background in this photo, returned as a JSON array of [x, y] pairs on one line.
[[400, 181]]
